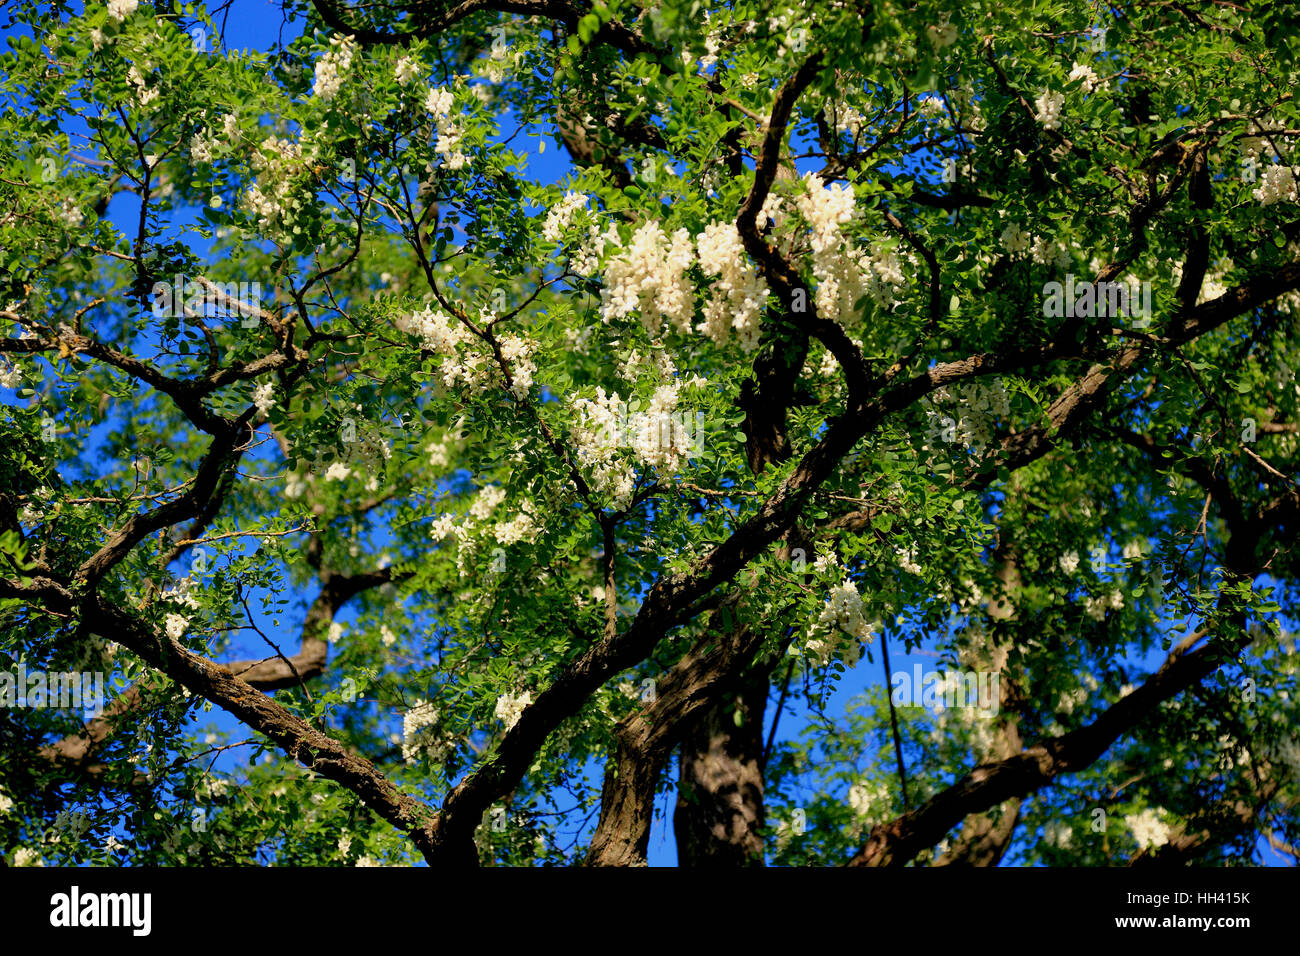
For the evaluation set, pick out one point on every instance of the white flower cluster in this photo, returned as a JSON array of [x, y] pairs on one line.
[[119, 10], [657, 363], [183, 593], [907, 559], [510, 706], [597, 435], [275, 199], [870, 800], [1016, 239], [264, 397], [332, 67], [419, 735], [1086, 75], [444, 335], [406, 71], [1069, 562], [207, 143], [486, 502], [841, 616], [522, 525], [844, 118], [844, 272], [1277, 183], [649, 277], [1148, 829], [518, 353], [931, 107], [561, 215], [739, 293], [658, 438], [1049, 104], [979, 405], [1096, 607], [10, 375], [70, 213], [439, 102], [1046, 252], [175, 625], [1057, 834], [143, 95]]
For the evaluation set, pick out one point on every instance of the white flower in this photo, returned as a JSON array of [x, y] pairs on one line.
[[71, 213], [345, 843], [335, 632], [332, 67], [649, 277], [907, 559], [1133, 551], [24, 856], [294, 485], [367, 861], [486, 501], [1096, 607], [739, 294], [10, 376], [337, 472], [1069, 562], [1057, 834], [1148, 829], [931, 106], [6, 803], [263, 397], [561, 215], [844, 271], [439, 102], [1049, 105], [516, 529], [387, 636], [1015, 239], [1086, 74], [418, 736], [175, 625], [1277, 183], [869, 800], [1045, 252], [119, 10], [509, 707], [407, 70]]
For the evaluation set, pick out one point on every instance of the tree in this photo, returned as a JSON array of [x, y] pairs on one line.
[[482, 503]]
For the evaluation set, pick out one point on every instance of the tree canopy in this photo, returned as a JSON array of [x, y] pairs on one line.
[[450, 430]]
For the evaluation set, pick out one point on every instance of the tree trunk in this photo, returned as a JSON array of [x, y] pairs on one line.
[[719, 815]]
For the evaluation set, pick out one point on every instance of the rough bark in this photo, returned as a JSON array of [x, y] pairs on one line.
[[719, 817]]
